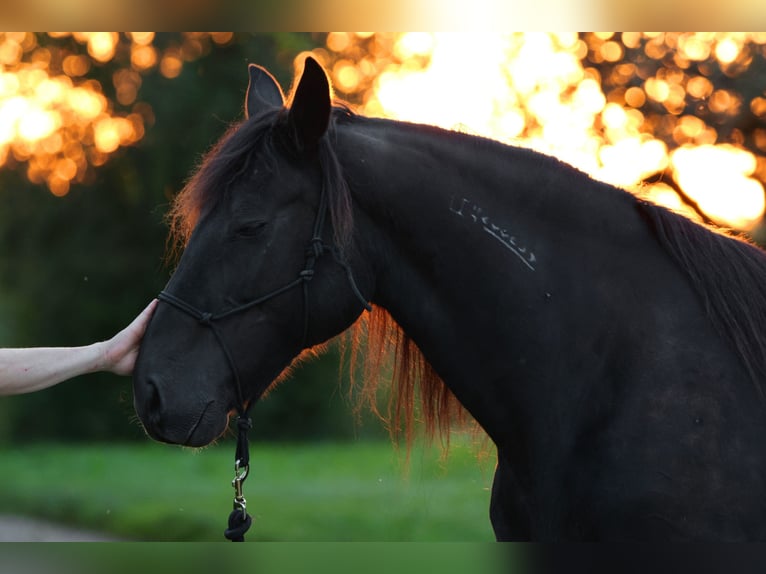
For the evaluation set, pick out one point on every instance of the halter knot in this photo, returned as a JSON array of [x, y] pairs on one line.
[[244, 423], [206, 318], [315, 248], [307, 274], [239, 523]]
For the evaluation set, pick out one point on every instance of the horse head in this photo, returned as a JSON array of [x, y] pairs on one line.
[[264, 272]]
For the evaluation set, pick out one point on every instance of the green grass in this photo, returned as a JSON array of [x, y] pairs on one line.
[[304, 492]]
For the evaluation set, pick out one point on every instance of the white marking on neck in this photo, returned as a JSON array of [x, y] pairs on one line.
[[474, 213]]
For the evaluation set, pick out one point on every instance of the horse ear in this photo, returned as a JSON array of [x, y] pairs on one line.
[[263, 91], [309, 112]]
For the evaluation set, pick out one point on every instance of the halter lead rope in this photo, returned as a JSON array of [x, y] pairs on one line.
[[239, 520]]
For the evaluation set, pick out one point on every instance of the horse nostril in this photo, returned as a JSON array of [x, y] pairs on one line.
[[153, 402]]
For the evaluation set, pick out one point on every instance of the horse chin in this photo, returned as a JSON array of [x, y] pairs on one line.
[[194, 431], [200, 438], [209, 426]]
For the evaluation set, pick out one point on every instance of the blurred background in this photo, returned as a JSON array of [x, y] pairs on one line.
[[98, 132]]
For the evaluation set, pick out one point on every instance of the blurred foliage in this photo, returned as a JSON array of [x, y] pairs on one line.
[[692, 89]]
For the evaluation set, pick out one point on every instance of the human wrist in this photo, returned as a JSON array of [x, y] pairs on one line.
[[101, 360]]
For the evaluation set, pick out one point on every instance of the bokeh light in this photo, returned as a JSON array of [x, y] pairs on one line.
[[60, 124], [652, 112], [646, 111]]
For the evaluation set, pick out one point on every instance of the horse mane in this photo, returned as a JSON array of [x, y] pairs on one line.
[[729, 274], [375, 344], [417, 393]]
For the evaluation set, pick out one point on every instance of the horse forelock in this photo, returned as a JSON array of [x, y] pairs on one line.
[[221, 167], [230, 159]]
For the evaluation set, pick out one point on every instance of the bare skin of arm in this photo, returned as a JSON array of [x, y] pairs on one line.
[[37, 368]]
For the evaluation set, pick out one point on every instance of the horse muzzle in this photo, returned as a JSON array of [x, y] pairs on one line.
[[188, 422]]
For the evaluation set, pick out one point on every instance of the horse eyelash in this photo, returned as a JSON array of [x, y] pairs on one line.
[[250, 230]]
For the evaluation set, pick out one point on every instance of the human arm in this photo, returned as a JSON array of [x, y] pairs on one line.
[[34, 369]]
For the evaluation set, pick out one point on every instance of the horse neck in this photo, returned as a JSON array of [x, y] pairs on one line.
[[468, 241]]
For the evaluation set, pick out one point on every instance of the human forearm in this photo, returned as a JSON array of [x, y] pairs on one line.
[[33, 369]]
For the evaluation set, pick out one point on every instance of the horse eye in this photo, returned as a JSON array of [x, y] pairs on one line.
[[250, 229]]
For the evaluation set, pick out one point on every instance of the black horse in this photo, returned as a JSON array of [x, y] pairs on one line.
[[612, 350]]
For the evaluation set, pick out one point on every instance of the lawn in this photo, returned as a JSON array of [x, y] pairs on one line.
[[297, 492]]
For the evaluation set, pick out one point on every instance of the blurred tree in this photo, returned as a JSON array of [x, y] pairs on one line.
[[693, 89]]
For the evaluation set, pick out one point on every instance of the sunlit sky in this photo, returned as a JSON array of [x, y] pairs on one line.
[[529, 89]]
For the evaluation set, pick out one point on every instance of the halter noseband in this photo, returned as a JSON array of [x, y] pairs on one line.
[[314, 250]]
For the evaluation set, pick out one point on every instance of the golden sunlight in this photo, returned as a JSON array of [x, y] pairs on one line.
[[719, 179], [61, 124], [536, 90]]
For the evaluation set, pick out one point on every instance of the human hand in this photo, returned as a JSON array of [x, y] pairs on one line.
[[120, 352]]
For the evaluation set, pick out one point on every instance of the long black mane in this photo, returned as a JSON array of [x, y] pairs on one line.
[[729, 274]]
